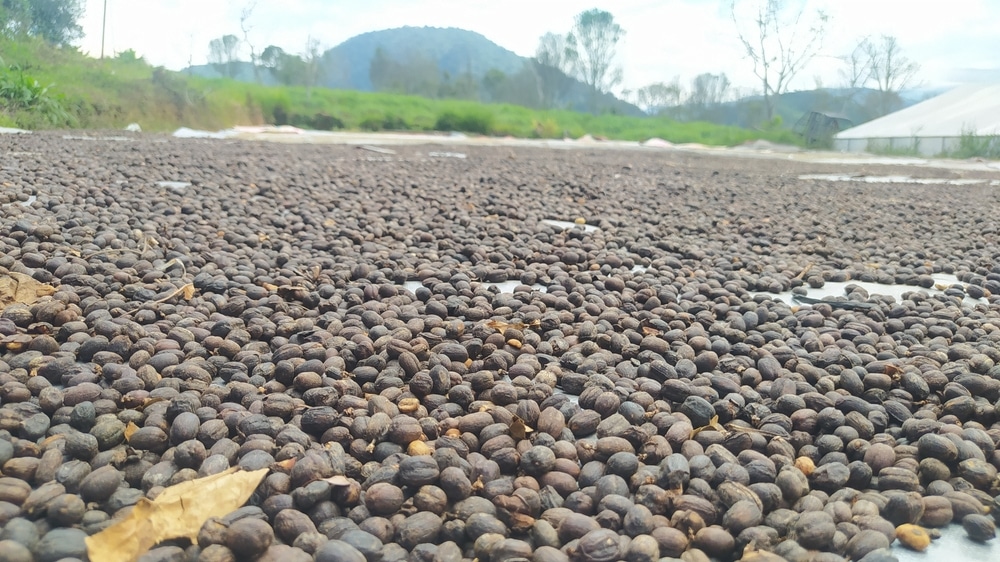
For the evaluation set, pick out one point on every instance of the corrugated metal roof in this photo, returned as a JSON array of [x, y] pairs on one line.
[[976, 106]]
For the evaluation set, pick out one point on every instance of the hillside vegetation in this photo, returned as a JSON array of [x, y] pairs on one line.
[[67, 89]]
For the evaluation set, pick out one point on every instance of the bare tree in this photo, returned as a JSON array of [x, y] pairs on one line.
[[554, 61], [890, 70], [779, 43], [594, 40], [857, 69], [313, 57], [245, 27]]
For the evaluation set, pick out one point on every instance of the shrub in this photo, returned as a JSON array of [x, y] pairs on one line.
[[469, 121]]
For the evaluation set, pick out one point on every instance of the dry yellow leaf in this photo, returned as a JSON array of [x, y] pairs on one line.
[[329, 223], [129, 430], [18, 288], [188, 291], [270, 287], [712, 425], [519, 429], [178, 512]]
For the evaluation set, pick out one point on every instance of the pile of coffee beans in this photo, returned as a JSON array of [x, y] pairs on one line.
[[432, 372]]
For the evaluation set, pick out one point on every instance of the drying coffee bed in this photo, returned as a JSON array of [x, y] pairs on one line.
[[622, 388]]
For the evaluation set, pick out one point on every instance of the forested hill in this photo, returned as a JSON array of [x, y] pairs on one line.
[[427, 61], [454, 51]]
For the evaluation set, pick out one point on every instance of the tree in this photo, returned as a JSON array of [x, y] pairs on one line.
[[554, 60], [708, 91], [270, 57], [857, 69], [313, 57], [245, 27], [55, 21], [520, 88], [223, 54], [890, 70], [654, 98], [593, 42], [775, 43], [494, 84]]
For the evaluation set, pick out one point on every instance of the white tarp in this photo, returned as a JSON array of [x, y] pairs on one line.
[[933, 126]]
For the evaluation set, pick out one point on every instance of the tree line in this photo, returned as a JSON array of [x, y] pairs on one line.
[[779, 38]]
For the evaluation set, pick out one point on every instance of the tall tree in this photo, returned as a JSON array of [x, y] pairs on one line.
[[857, 70], [245, 28], [313, 57], [708, 91], [594, 40], [223, 54], [554, 61], [890, 70], [780, 40], [270, 57], [55, 21]]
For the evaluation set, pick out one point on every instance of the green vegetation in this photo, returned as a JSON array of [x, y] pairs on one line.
[[886, 149], [973, 145], [114, 92]]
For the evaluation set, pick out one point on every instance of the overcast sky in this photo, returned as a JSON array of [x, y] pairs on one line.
[[952, 40]]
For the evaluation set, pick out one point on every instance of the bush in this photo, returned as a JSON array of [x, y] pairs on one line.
[[973, 145], [324, 122], [28, 103], [546, 129], [377, 122], [468, 121]]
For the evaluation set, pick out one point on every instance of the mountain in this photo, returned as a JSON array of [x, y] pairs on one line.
[[455, 51]]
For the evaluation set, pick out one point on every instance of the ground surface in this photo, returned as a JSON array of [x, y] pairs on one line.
[[296, 318]]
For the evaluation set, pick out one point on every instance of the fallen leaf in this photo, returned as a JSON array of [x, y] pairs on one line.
[[713, 425], [270, 287], [286, 465], [130, 429], [147, 402], [501, 326], [18, 288], [647, 331], [893, 370], [178, 512], [519, 429], [188, 291], [329, 223]]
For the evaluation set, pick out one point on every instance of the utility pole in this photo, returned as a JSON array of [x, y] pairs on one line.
[[104, 24]]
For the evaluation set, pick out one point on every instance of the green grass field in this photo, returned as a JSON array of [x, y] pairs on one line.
[[112, 93]]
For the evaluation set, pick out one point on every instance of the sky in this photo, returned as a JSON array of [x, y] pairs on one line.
[[954, 41]]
